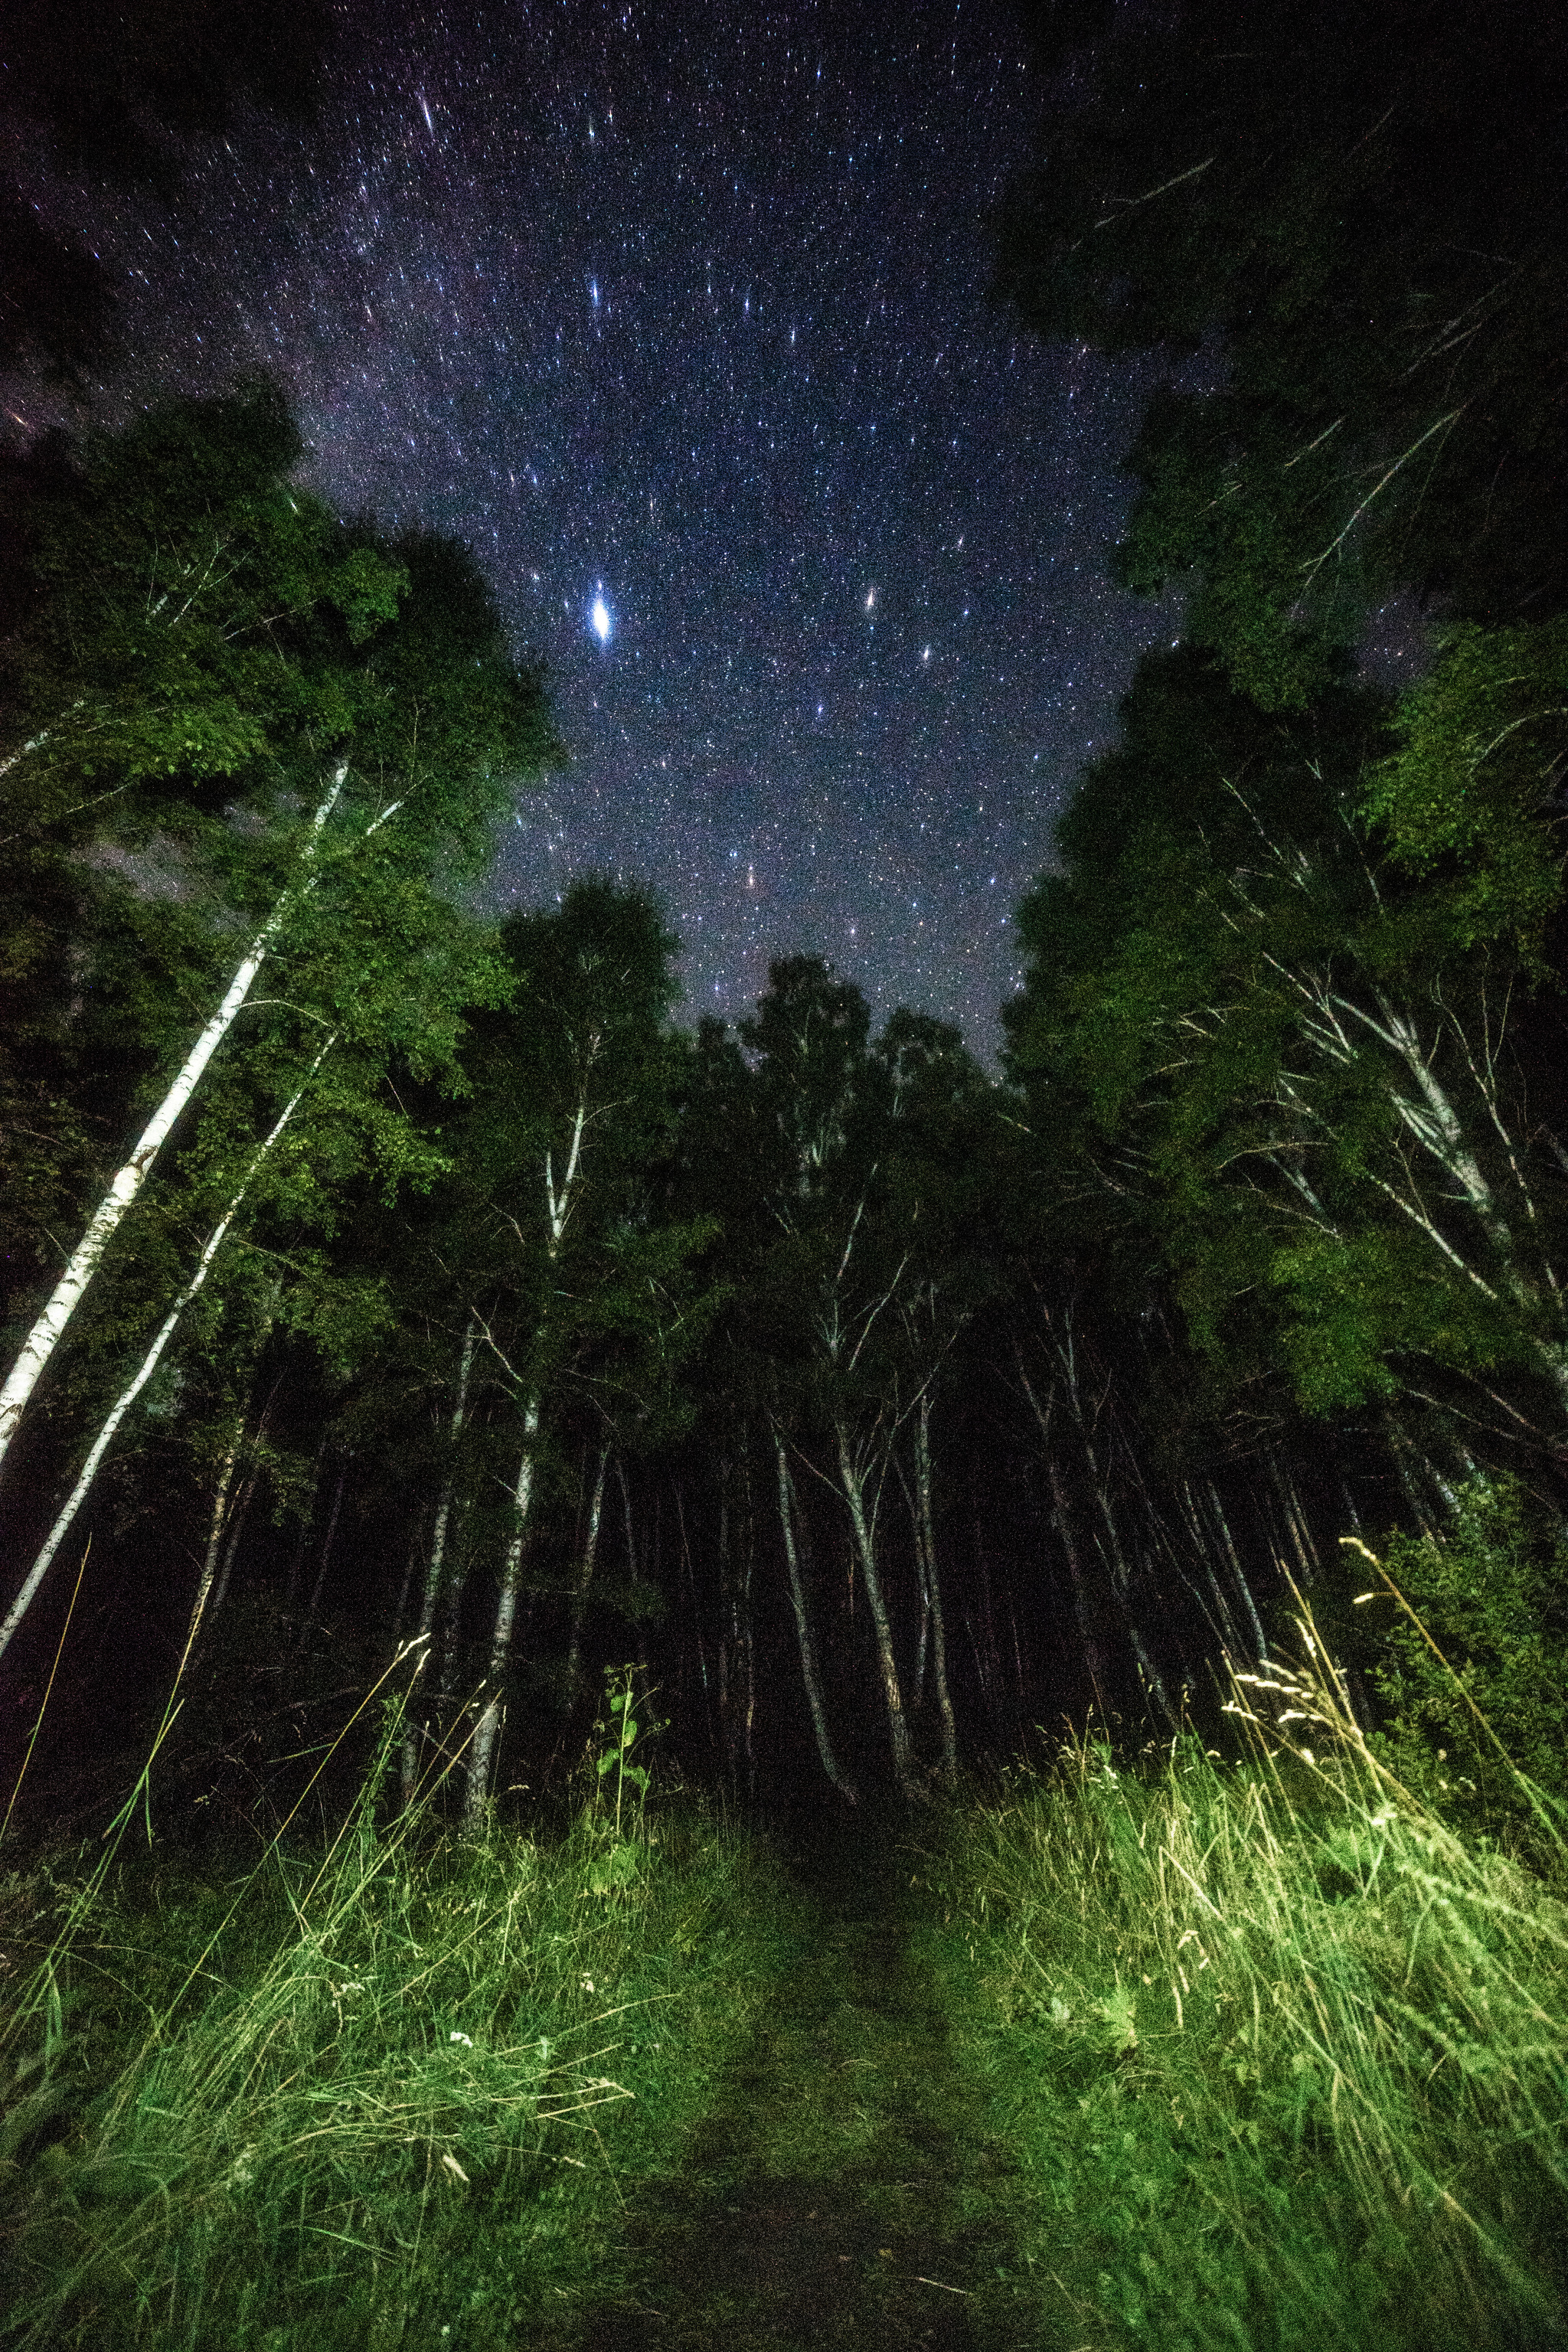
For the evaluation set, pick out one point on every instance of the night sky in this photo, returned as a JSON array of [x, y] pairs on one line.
[[680, 319]]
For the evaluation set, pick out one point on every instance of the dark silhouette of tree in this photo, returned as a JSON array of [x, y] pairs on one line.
[[118, 95], [1363, 215]]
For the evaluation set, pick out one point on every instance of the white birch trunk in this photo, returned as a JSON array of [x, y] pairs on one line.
[[149, 1365], [215, 1535], [69, 1291], [482, 1748], [854, 1489], [482, 1751], [808, 1664], [585, 1578], [438, 1560], [933, 1592]]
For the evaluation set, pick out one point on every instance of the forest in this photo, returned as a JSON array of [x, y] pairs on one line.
[[448, 1396]]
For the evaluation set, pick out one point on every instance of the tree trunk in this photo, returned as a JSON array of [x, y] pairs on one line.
[[316, 1591], [585, 1578], [149, 1365], [1237, 1573], [307, 1521], [1088, 1639], [406, 1587], [436, 1565], [932, 1582], [482, 1752], [696, 1615], [809, 1668], [215, 1535], [72, 1286], [745, 1629], [1149, 1673], [854, 1491]]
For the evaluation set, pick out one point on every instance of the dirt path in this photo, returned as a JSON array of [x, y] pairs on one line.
[[842, 2191]]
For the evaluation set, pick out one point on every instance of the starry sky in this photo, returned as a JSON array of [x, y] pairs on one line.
[[679, 316]]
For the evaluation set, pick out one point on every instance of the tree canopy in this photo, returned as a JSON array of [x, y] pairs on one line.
[[437, 1289]]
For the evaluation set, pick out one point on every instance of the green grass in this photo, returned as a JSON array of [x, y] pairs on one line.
[[1261, 2055], [1283, 2058], [392, 2093]]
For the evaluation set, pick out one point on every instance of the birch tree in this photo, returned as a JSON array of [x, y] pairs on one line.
[[1284, 1060], [227, 709], [580, 1288], [110, 1426], [869, 1167]]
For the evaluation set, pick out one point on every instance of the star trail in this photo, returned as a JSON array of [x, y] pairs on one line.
[[680, 319]]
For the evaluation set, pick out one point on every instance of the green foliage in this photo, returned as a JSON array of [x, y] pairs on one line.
[[1279, 2055], [619, 1736], [1264, 1056], [553, 1213], [382, 2092], [1359, 1307], [1468, 797], [1475, 1678], [1364, 234], [224, 706]]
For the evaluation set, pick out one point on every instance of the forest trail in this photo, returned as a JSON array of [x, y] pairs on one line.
[[842, 2189]]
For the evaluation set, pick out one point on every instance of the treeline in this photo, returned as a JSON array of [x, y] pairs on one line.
[[377, 1276]]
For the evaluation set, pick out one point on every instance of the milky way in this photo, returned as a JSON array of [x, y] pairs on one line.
[[680, 319]]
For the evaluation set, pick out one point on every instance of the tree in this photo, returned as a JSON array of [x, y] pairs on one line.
[[548, 1232], [1362, 219], [1285, 1062], [867, 1165], [227, 713], [146, 1371]]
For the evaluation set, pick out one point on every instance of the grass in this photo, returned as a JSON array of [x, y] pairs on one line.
[[1283, 2058], [391, 2092], [1262, 2055]]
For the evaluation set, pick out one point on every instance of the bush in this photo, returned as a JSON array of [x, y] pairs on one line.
[[1474, 1675]]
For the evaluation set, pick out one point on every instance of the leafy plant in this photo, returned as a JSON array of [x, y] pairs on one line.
[[1475, 1672], [620, 1733]]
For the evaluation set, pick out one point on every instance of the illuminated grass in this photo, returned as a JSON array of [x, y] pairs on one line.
[[1284, 2060], [391, 2094]]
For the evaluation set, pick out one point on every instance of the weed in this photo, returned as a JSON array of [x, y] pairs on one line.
[[1285, 2058], [380, 2093]]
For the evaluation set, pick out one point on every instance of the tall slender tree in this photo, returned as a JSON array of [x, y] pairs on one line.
[[223, 703]]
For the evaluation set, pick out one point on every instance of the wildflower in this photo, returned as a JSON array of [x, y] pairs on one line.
[[466, 2039], [587, 1984]]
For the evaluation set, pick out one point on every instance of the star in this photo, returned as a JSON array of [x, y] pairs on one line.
[[664, 352]]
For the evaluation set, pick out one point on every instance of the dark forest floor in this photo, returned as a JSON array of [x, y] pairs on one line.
[[843, 2191]]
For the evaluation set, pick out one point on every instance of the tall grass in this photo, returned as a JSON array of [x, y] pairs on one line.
[[385, 2092], [1285, 2059]]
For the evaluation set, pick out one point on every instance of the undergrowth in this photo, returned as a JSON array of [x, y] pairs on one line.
[[391, 2091], [1283, 2056]]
